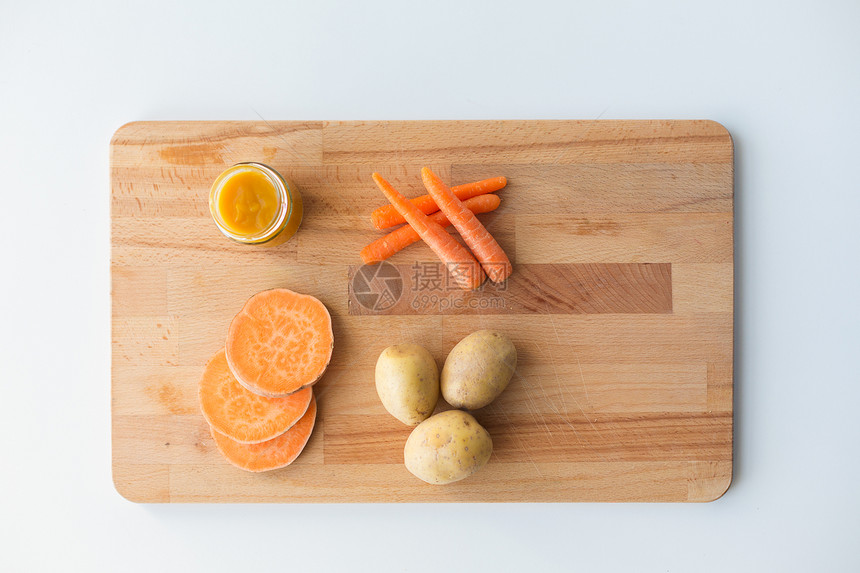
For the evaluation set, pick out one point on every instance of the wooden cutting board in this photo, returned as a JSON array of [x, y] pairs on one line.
[[620, 306]]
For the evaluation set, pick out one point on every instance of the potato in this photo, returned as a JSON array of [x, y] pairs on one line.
[[478, 369], [447, 447], [407, 381]]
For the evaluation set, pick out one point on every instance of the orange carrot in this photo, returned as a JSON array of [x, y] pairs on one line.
[[485, 248], [462, 266], [402, 237], [387, 216]]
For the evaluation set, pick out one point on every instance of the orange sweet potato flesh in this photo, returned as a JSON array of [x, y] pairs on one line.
[[241, 415], [272, 454], [280, 342]]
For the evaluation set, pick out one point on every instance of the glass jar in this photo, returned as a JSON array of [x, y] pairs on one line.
[[253, 204]]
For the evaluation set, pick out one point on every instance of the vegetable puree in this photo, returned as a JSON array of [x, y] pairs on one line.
[[248, 202], [253, 204]]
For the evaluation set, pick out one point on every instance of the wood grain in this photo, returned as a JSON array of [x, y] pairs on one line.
[[573, 437], [620, 306], [597, 288]]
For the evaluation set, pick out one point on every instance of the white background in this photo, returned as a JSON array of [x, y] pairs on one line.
[[783, 77]]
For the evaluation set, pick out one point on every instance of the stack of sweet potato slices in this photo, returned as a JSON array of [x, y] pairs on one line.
[[256, 393]]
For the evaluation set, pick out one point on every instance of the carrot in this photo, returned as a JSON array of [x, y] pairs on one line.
[[400, 238], [272, 454], [387, 216], [241, 415], [279, 343], [485, 248], [462, 266]]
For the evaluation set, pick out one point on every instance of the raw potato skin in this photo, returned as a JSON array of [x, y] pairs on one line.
[[407, 381], [478, 369], [448, 447]]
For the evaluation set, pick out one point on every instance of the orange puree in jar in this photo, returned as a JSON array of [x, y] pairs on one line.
[[248, 202], [253, 204]]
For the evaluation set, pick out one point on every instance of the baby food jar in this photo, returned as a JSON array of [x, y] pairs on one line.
[[253, 204]]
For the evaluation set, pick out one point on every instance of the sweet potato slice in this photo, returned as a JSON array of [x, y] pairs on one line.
[[272, 454], [280, 342], [241, 415]]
